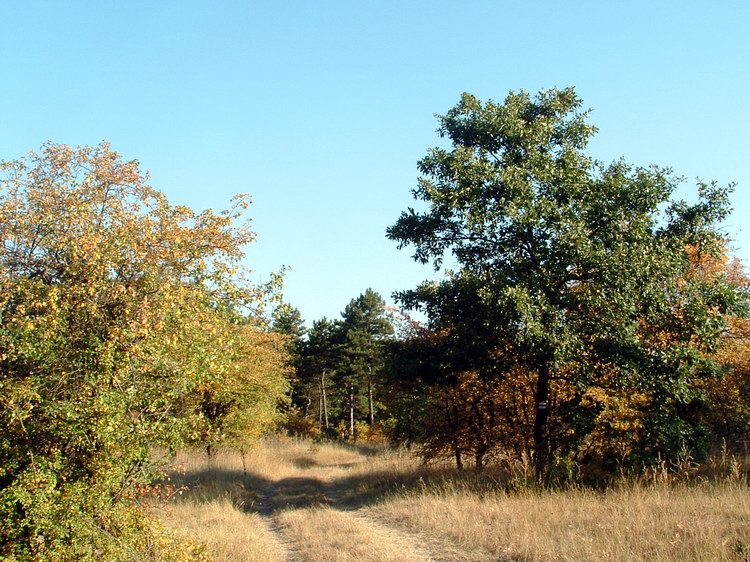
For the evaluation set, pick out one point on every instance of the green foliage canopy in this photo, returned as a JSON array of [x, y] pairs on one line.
[[578, 270]]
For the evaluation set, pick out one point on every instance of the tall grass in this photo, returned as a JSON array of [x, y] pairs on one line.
[[305, 501], [633, 522]]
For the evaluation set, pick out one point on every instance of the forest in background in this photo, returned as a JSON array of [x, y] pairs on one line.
[[589, 325]]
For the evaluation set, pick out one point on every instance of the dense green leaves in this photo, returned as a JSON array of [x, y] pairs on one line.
[[573, 269]]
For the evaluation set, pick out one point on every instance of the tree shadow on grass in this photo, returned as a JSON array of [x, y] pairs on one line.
[[209, 484], [364, 449], [304, 462], [253, 493], [360, 490], [251, 490]]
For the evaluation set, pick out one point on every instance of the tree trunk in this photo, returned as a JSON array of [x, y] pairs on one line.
[[351, 411], [370, 406], [325, 400], [459, 461], [479, 458], [307, 404], [541, 431]]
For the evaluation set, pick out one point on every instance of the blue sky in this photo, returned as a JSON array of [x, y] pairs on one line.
[[321, 110]]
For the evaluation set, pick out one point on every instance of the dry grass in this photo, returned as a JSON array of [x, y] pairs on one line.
[[631, 523], [229, 533], [335, 502]]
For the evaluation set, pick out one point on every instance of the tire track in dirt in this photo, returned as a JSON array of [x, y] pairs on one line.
[[264, 507], [439, 549]]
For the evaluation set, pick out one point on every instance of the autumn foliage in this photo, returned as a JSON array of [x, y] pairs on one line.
[[475, 415], [121, 315]]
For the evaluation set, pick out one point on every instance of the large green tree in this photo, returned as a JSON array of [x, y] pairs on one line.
[[578, 270]]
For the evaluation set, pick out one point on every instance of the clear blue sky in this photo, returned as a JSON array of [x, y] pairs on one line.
[[321, 109]]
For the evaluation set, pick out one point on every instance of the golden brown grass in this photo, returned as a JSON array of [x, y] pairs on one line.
[[321, 502], [630, 523], [230, 534]]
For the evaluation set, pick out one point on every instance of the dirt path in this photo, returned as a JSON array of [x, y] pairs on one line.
[[304, 503], [419, 545], [264, 507], [308, 516], [438, 549]]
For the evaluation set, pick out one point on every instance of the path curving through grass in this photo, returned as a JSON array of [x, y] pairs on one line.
[[304, 502]]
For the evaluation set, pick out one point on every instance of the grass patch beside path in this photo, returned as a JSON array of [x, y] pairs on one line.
[[230, 534], [632, 523]]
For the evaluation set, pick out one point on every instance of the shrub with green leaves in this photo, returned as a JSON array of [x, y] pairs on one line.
[[103, 288]]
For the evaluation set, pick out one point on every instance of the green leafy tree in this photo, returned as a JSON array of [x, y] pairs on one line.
[[108, 297], [364, 329], [320, 359], [236, 399], [287, 321], [578, 268]]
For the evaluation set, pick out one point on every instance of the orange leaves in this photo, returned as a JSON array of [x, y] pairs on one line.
[[710, 267], [489, 418]]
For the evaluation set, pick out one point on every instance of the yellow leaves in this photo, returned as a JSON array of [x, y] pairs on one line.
[[101, 271], [620, 420], [240, 383]]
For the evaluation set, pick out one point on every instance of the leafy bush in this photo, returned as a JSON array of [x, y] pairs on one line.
[[106, 293]]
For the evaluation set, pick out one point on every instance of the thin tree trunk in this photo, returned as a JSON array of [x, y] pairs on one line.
[[541, 431], [370, 406], [325, 399], [320, 410], [479, 458], [351, 410], [459, 461]]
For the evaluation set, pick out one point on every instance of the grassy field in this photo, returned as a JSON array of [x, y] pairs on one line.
[[295, 500]]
